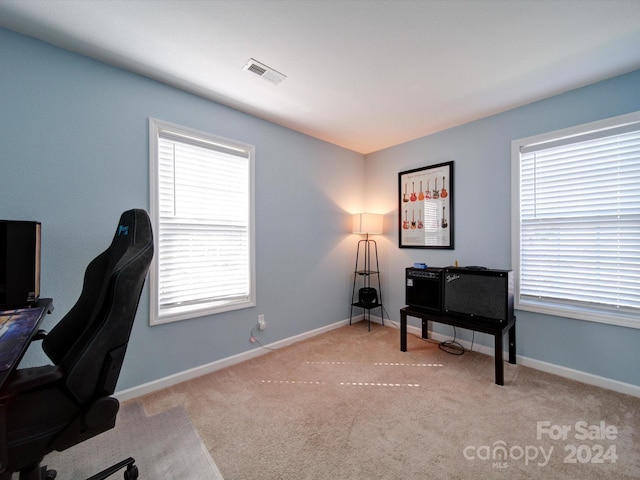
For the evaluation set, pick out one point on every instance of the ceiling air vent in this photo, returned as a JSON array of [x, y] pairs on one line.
[[268, 73]]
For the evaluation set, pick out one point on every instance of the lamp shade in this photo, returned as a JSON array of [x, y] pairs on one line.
[[370, 223]]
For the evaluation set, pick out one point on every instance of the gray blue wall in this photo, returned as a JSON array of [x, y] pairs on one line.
[[482, 154], [74, 154]]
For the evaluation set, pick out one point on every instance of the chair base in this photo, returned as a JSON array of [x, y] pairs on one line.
[[38, 473], [33, 473], [131, 473], [41, 473]]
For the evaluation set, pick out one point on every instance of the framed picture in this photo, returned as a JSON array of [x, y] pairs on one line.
[[425, 207]]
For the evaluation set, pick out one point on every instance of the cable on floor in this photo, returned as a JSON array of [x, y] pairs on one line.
[[451, 346]]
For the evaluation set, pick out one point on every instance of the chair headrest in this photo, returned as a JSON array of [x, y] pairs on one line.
[[133, 230]]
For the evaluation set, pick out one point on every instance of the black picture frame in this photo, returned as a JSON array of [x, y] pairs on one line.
[[425, 207]]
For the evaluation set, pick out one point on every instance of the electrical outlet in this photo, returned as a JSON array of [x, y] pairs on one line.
[[262, 324]]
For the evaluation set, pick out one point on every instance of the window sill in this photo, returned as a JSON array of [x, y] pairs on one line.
[[620, 319], [177, 314]]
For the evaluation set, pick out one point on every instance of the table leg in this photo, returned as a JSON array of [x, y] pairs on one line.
[[425, 328], [498, 359], [403, 331], [512, 344]]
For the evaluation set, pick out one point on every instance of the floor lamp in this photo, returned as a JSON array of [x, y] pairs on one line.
[[367, 224]]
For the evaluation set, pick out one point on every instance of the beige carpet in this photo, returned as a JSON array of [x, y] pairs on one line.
[[349, 405], [165, 446]]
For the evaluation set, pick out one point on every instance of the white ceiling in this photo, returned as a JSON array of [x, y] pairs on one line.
[[364, 75]]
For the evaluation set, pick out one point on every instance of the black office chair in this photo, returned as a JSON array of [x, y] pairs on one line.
[[54, 407]]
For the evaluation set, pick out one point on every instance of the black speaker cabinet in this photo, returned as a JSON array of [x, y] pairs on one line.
[[19, 263], [484, 294], [423, 288]]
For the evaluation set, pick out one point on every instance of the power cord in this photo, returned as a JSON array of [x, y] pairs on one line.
[[448, 346], [253, 339], [451, 346]]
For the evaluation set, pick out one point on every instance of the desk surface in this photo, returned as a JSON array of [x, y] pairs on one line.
[[17, 328]]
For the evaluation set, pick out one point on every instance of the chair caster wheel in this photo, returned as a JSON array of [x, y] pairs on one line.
[[131, 473], [48, 474]]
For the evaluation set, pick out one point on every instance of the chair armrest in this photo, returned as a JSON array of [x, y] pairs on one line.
[[29, 378]]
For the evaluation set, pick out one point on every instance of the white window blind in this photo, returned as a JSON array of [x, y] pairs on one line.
[[579, 225], [203, 199]]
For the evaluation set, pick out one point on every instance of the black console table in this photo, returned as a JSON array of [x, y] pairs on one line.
[[493, 328]]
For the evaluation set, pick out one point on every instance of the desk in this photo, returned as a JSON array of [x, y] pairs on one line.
[[14, 343], [16, 337], [493, 328]]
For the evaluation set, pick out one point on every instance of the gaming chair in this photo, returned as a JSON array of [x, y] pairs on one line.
[[57, 406]]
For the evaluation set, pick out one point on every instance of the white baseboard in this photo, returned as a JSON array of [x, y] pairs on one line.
[[561, 371], [138, 391], [588, 378]]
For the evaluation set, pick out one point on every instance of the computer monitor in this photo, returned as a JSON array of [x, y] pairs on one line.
[[19, 263]]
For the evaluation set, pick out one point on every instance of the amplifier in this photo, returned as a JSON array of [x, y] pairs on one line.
[[423, 288], [481, 293]]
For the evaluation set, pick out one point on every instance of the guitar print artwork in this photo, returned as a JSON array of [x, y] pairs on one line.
[[424, 207]]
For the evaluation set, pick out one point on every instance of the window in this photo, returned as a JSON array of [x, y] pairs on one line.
[[202, 209], [576, 222]]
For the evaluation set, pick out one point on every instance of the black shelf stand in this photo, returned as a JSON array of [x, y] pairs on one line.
[[497, 329], [362, 274]]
